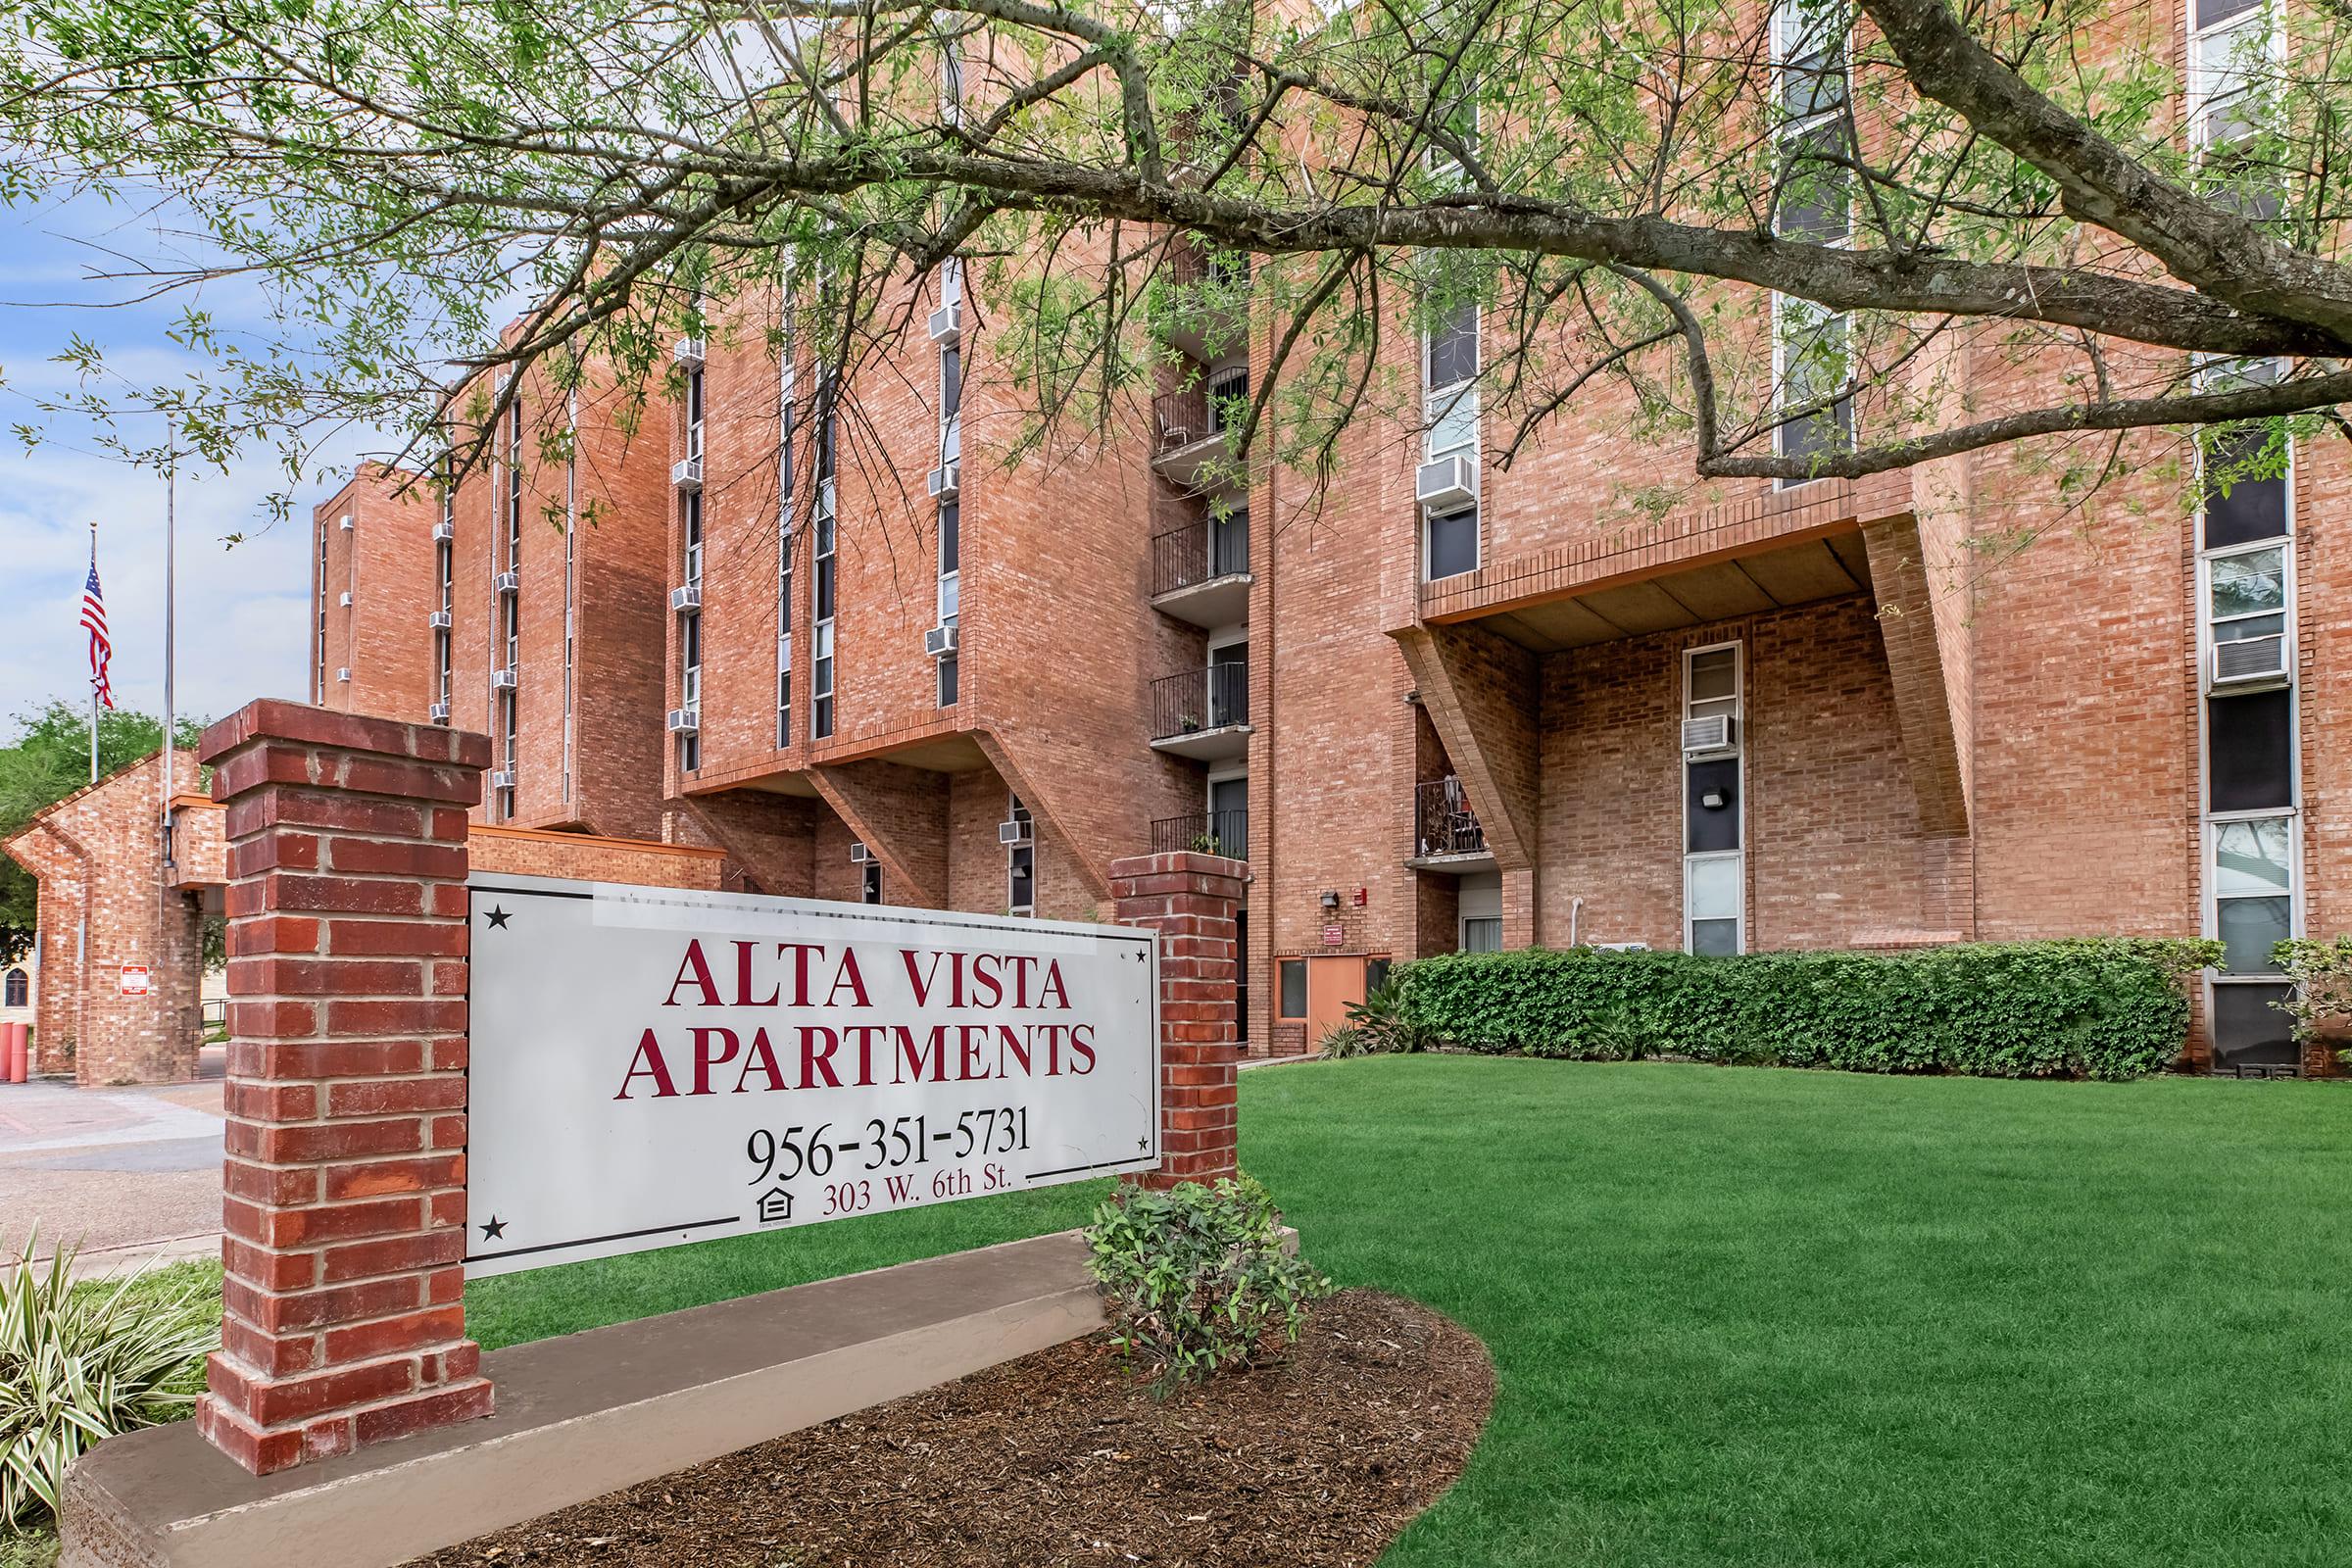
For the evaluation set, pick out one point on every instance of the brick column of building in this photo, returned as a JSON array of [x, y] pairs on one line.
[[1190, 899], [345, 1205]]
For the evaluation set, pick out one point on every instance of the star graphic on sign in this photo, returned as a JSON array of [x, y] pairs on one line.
[[498, 917], [1142, 1143], [494, 1229]]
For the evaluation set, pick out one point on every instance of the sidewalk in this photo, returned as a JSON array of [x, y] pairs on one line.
[[132, 1175]]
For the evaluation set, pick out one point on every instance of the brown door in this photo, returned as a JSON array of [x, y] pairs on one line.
[[1331, 985]]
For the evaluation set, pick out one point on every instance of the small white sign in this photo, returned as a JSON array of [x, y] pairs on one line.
[[137, 981], [650, 1066]]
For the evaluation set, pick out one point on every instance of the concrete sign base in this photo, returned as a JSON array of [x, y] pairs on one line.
[[583, 1415]]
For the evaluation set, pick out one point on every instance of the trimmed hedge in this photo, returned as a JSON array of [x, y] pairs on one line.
[[2103, 1007]]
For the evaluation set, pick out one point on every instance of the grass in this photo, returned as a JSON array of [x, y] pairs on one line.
[[1766, 1317], [1773, 1318]]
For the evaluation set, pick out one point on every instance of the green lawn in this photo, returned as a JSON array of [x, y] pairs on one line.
[[1770, 1318], [1774, 1318]]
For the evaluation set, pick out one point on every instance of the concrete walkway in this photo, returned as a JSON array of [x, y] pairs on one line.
[[128, 1176]]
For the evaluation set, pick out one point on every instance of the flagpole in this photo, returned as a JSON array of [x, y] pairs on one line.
[[93, 674], [170, 596]]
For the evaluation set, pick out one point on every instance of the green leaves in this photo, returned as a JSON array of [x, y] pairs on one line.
[[2094, 1007], [78, 1365], [1195, 1278]]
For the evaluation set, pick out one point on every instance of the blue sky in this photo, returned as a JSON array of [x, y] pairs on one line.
[[241, 609]]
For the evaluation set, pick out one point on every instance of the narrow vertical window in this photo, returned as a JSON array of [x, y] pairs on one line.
[[1448, 480], [1020, 858], [820, 687], [1812, 367], [785, 389], [1714, 862]]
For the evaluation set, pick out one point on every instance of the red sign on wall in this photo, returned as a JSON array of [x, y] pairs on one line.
[[136, 982], [1333, 936]]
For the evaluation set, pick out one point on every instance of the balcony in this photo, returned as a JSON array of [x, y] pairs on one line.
[[1202, 713], [1446, 835], [1201, 304], [1200, 569], [1191, 425], [1224, 833]]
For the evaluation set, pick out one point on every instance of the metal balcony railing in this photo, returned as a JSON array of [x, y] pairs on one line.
[[1224, 833], [1202, 410], [1199, 550], [1195, 700], [1443, 822]]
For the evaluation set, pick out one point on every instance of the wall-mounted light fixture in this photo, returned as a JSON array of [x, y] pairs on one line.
[[1330, 899]]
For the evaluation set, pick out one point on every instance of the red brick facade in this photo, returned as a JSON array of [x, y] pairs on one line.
[[345, 1205], [107, 907], [1940, 736], [371, 587]]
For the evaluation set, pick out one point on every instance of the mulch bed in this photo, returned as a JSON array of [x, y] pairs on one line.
[[1066, 1457]]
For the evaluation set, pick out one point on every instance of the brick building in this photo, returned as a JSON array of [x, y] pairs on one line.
[[1436, 704]]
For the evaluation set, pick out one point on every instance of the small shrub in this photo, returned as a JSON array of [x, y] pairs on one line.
[[1196, 1279], [1381, 1019], [1347, 1039], [77, 1365], [2320, 1005], [2098, 1008]]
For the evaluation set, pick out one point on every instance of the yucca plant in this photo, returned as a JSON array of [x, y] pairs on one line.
[[78, 1365]]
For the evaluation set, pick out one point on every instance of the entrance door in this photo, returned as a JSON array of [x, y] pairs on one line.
[[1331, 985]]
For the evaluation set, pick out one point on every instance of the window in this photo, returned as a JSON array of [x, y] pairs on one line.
[[947, 682], [951, 562], [1482, 933], [1229, 684], [1811, 371], [694, 538], [694, 413], [319, 683], [514, 484], [1020, 862], [869, 882], [2241, 508], [16, 989], [1449, 361], [1714, 858], [951, 402], [508, 714], [1228, 826], [2232, 43], [1808, 46], [510, 612], [1458, 114], [1228, 398], [820, 689], [1291, 983], [785, 538]]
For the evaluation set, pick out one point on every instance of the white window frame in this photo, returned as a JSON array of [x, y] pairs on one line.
[[1738, 757], [2210, 896], [1781, 304], [1228, 773], [694, 526], [698, 409], [1014, 811], [2205, 87]]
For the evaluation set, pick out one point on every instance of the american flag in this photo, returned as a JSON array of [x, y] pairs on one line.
[[93, 616]]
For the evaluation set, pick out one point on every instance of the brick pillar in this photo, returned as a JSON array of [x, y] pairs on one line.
[[1190, 900], [345, 1201]]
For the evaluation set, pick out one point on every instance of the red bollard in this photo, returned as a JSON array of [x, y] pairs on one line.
[[16, 1051]]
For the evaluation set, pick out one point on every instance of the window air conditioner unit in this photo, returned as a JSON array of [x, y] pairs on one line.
[[438, 713], [860, 855], [502, 778], [944, 481], [689, 351], [343, 522], [444, 533], [687, 474], [689, 596], [2248, 663], [345, 601], [1013, 834], [344, 673], [509, 582], [947, 322], [1447, 483], [505, 680], [940, 641], [685, 721], [1711, 736], [438, 620]]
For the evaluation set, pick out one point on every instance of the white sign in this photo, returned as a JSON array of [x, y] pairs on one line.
[[136, 980], [656, 1065]]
